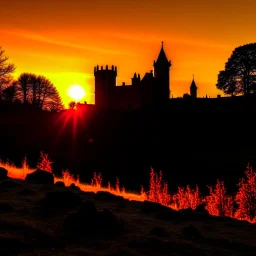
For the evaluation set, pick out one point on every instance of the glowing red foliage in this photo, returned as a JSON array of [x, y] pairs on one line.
[[44, 162], [117, 189], [186, 198], [158, 189], [96, 180], [218, 203], [246, 196], [69, 179]]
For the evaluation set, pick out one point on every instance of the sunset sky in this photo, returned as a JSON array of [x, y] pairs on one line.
[[64, 39]]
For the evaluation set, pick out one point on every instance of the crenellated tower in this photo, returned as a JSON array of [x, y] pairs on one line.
[[105, 82], [161, 92]]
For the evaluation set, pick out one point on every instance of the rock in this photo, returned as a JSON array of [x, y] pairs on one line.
[[151, 207], [83, 220], [187, 212], [59, 184], [160, 211], [40, 177], [201, 208], [88, 221], [3, 173], [61, 199], [106, 220], [74, 187]]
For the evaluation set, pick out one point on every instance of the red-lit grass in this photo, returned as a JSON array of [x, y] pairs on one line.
[[186, 198], [158, 189], [96, 180], [15, 172], [44, 162], [217, 202], [246, 196]]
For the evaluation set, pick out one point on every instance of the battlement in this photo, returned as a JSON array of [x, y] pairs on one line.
[[106, 69]]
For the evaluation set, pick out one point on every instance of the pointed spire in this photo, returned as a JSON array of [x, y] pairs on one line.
[[193, 84], [162, 59]]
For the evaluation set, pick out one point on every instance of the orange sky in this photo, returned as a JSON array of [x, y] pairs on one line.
[[64, 39]]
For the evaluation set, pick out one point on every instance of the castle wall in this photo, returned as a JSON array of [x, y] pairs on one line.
[[147, 84], [126, 97]]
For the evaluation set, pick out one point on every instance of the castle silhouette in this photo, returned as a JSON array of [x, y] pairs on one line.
[[153, 88]]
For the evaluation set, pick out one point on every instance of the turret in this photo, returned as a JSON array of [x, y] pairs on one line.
[[136, 79], [162, 77], [105, 82]]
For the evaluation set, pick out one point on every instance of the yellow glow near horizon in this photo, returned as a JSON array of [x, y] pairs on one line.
[[64, 42], [76, 92]]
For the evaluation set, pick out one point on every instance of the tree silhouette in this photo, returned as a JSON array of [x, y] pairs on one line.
[[24, 82], [10, 92], [72, 105], [239, 75], [6, 69], [39, 91]]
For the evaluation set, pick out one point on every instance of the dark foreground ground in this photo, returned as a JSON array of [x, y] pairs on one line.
[[191, 142], [53, 220]]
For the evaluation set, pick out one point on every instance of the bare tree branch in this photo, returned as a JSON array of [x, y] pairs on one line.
[[5, 67]]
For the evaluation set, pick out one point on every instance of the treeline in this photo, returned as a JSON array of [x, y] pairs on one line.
[[27, 89]]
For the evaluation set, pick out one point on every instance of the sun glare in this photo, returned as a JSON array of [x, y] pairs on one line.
[[76, 92]]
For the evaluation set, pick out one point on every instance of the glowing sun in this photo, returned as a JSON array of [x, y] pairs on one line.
[[76, 92]]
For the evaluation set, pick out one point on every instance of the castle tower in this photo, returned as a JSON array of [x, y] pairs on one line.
[[105, 82], [162, 77], [136, 79], [193, 89]]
